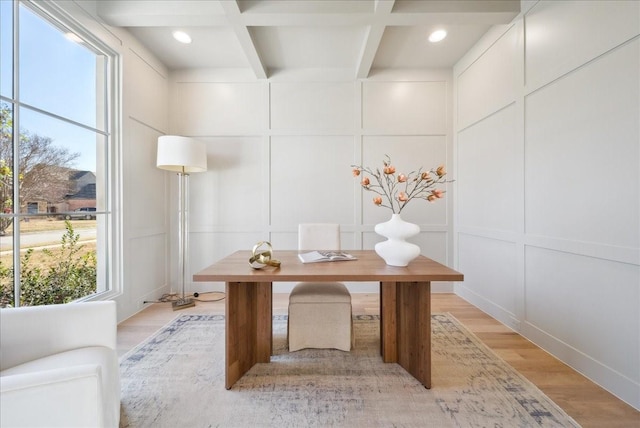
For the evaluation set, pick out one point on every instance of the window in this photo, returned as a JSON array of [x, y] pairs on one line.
[[55, 107]]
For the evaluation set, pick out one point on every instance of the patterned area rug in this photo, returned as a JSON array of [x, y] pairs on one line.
[[176, 379]]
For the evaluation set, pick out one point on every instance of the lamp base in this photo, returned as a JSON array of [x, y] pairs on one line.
[[182, 303]]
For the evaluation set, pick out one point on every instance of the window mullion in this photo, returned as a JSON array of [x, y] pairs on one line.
[[15, 138]]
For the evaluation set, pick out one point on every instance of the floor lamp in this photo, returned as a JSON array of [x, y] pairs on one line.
[[182, 155]]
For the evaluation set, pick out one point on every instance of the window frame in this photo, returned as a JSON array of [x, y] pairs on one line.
[[108, 103]]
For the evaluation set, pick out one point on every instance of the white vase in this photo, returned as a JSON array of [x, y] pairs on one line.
[[396, 251]]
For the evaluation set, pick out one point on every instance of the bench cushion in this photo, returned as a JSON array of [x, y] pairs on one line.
[[316, 292]]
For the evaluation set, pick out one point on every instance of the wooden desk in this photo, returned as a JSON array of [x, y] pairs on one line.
[[405, 305]]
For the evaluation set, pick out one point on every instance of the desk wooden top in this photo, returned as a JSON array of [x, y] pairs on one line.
[[368, 267]]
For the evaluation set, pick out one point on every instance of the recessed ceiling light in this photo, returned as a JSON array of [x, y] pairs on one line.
[[182, 37], [437, 36]]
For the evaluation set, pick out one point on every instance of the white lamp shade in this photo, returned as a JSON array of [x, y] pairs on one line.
[[181, 154]]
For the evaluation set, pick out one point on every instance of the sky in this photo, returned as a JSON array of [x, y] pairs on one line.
[[56, 75]]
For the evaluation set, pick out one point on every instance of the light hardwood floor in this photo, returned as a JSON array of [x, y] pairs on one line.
[[587, 403]]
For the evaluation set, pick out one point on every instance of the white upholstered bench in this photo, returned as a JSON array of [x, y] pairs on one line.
[[320, 316], [319, 312]]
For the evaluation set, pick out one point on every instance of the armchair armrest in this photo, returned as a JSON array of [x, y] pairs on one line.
[[65, 397], [32, 332]]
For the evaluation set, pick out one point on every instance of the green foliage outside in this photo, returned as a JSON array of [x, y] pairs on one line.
[[70, 274]]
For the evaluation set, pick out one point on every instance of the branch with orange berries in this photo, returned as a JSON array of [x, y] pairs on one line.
[[395, 191]]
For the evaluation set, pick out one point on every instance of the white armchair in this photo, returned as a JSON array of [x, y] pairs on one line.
[[59, 366]]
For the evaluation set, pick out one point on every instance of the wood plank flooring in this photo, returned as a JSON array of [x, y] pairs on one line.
[[587, 403]]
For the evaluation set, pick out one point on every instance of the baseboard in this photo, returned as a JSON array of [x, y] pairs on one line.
[[616, 383], [501, 314], [621, 386]]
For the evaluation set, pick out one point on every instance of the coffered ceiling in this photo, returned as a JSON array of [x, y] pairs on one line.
[[344, 37]]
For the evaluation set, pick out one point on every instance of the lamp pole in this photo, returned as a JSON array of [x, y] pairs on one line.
[[183, 238], [182, 155]]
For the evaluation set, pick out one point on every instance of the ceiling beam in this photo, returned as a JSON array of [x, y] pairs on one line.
[[232, 11], [195, 13], [372, 38]]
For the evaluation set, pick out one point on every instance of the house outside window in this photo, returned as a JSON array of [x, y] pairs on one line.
[[55, 158]]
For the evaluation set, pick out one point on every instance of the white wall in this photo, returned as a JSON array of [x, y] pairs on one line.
[[547, 158], [280, 153], [145, 204]]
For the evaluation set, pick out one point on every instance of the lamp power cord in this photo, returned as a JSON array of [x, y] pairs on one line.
[[172, 297]]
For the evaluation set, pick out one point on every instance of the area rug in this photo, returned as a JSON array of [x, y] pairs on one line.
[[176, 379]]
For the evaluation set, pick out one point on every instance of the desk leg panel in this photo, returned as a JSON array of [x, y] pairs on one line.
[[248, 328], [388, 322], [414, 329], [264, 320]]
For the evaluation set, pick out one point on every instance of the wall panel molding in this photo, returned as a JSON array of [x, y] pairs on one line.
[[291, 161], [573, 252]]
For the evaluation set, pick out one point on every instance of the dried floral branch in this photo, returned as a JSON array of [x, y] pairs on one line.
[[397, 190]]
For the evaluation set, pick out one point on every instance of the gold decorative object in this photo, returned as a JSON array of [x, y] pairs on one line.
[[262, 257]]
